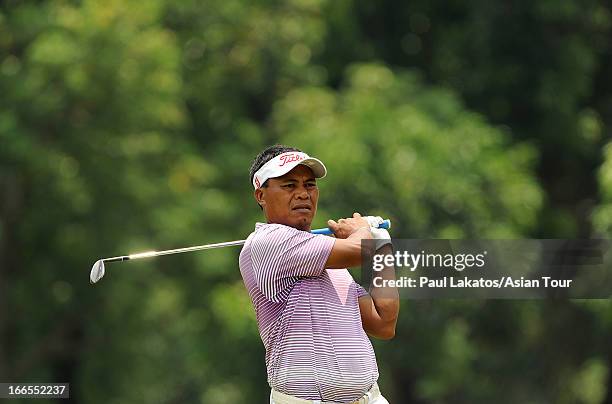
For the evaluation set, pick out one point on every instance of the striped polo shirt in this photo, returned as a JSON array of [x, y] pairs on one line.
[[308, 316]]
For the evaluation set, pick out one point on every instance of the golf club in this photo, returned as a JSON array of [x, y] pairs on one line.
[[98, 270]]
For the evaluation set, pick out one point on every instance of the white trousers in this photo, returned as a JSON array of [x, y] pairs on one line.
[[371, 397]]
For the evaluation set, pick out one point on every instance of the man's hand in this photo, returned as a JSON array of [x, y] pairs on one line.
[[345, 227], [381, 236], [347, 248], [374, 221]]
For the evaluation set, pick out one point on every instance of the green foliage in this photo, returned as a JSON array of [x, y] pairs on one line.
[[412, 152]]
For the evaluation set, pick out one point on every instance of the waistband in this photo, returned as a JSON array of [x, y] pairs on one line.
[[281, 398]]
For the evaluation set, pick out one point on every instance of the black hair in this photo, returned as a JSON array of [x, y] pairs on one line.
[[268, 154]]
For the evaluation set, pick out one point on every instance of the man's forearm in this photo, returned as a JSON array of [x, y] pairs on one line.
[[347, 251], [385, 298], [362, 233]]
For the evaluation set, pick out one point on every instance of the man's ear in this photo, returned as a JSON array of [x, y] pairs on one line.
[[259, 197]]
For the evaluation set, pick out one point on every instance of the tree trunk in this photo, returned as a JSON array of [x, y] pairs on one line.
[[11, 208]]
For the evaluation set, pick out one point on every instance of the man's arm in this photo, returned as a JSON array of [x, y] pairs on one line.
[[347, 246], [380, 309]]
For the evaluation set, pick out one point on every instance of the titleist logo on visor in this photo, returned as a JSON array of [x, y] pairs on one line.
[[290, 158]]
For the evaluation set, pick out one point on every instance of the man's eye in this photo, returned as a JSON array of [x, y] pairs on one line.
[[311, 185], [289, 186]]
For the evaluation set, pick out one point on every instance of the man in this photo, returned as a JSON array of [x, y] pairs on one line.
[[312, 316]]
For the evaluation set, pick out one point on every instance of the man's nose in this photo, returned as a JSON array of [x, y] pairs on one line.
[[302, 193]]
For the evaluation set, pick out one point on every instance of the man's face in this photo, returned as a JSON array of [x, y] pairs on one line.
[[291, 199]]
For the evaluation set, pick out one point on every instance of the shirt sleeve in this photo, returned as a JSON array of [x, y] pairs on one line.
[[281, 255], [361, 291]]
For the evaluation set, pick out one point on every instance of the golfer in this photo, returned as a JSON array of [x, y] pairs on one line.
[[312, 316]]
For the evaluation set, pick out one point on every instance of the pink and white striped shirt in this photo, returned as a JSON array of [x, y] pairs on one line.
[[308, 316]]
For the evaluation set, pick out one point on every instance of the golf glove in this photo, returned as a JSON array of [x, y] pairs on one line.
[[374, 221], [381, 236]]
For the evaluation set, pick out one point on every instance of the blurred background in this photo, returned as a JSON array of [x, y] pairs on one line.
[[128, 126]]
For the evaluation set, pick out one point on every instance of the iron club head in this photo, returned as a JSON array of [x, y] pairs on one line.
[[97, 271]]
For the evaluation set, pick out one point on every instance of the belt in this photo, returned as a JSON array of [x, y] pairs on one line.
[[281, 398]]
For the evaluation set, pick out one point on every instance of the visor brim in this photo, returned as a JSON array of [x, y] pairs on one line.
[[318, 168]]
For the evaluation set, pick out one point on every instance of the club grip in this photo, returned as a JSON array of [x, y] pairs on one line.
[[386, 224]]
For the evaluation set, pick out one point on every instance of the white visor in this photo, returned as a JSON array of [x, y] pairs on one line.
[[283, 163]]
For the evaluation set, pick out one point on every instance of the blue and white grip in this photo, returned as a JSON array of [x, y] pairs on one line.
[[386, 224]]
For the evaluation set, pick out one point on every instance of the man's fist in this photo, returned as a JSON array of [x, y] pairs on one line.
[[345, 227]]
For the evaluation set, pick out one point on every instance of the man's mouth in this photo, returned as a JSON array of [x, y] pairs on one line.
[[302, 208]]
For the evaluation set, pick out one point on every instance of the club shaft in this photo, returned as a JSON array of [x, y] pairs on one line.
[[186, 249], [148, 254], [114, 259]]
